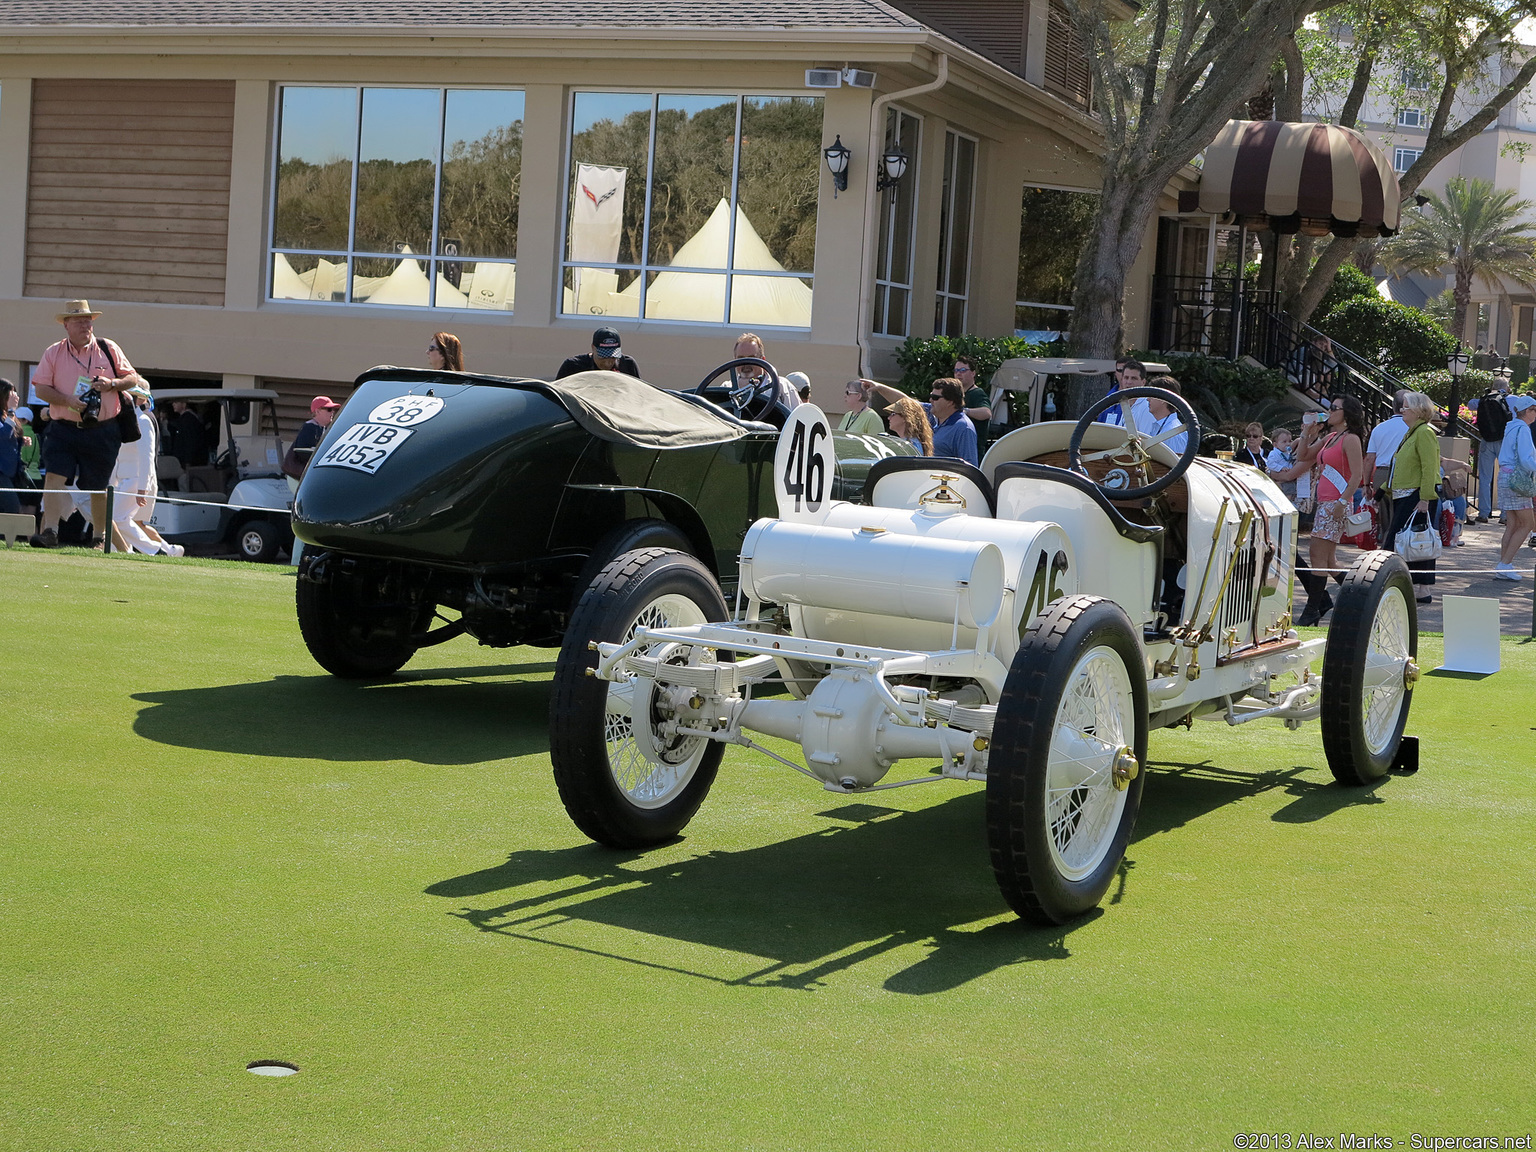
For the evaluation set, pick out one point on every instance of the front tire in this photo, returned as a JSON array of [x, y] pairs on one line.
[[337, 631], [1065, 776], [612, 791], [258, 541], [1369, 667]]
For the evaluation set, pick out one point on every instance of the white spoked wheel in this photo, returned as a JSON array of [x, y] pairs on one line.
[[1369, 668], [1064, 777], [1083, 805], [651, 781], [627, 777]]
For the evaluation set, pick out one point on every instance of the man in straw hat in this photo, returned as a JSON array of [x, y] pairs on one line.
[[81, 377]]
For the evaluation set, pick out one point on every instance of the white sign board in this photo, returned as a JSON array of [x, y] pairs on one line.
[[1471, 634], [804, 465]]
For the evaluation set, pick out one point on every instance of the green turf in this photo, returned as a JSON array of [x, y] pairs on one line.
[[214, 853]]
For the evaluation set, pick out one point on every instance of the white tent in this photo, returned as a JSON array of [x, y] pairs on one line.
[[768, 300]]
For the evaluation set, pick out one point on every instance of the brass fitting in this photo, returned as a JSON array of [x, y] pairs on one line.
[[1125, 769]]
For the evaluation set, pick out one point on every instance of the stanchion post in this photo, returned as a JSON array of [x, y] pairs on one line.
[[106, 539], [1533, 605]]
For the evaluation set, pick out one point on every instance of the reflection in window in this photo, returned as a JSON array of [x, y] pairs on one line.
[[898, 219], [955, 210], [432, 219], [672, 197]]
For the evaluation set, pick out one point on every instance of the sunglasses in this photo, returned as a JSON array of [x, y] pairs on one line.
[[853, 392], [433, 348]]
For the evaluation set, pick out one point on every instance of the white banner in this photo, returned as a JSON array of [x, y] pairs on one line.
[[597, 218]]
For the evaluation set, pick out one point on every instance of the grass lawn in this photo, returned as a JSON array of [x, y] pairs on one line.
[[214, 853]]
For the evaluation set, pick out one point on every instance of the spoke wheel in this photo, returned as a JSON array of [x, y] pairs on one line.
[[1064, 780], [624, 779], [1369, 668]]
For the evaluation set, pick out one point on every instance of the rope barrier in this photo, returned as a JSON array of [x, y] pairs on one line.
[[158, 497]]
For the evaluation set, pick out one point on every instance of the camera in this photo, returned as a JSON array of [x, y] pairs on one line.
[[90, 415]]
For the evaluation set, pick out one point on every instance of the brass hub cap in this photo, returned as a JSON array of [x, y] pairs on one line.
[[1125, 769]]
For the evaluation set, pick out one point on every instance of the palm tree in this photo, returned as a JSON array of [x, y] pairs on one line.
[[1477, 230]]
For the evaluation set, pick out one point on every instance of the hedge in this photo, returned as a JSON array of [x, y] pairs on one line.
[[925, 359], [1398, 338]]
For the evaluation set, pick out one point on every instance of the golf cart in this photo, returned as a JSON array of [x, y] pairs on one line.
[[1022, 625], [242, 498]]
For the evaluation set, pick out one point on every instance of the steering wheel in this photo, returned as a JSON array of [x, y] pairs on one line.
[[1129, 460], [756, 398]]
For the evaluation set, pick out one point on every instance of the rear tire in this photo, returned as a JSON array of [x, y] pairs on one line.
[[258, 541], [1061, 796], [1368, 668], [612, 792], [627, 537], [338, 635]]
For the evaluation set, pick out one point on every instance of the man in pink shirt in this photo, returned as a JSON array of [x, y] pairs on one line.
[[81, 377]]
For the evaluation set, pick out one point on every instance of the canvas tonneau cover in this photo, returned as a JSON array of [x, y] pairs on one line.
[[624, 410]]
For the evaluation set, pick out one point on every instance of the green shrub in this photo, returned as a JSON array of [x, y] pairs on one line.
[[1400, 339], [1222, 378], [1437, 384], [924, 360], [1349, 283]]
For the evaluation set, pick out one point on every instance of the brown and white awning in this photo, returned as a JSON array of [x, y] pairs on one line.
[[1309, 178]]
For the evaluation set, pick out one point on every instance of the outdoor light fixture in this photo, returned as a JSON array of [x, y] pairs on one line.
[[893, 167], [1457, 363], [838, 155]]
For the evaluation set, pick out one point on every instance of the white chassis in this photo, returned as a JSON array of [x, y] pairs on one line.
[[1030, 648]]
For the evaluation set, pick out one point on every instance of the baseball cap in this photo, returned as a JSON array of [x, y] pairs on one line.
[[320, 402], [24, 413], [1518, 404], [606, 341]]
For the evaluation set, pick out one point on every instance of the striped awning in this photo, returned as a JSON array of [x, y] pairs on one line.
[[1311, 178]]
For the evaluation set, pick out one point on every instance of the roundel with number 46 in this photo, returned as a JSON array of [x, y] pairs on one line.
[[804, 464]]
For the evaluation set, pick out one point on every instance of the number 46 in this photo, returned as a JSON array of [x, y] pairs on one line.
[[805, 474]]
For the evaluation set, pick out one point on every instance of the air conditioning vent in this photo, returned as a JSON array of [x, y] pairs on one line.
[[823, 78]]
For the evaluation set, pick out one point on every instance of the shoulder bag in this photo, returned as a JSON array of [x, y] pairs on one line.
[[1415, 543], [127, 411]]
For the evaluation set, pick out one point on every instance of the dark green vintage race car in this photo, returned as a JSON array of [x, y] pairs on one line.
[[445, 503]]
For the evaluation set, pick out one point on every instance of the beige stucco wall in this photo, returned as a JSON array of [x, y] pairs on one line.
[[250, 337]]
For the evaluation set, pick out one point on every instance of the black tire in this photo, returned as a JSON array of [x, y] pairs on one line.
[[338, 635], [1374, 615], [1047, 872], [258, 541], [612, 793], [628, 537]]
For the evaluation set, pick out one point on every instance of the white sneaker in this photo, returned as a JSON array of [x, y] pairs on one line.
[[1506, 572], [174, 550]]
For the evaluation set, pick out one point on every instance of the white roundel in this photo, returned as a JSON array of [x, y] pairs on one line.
[[405, 411], [804, 465]]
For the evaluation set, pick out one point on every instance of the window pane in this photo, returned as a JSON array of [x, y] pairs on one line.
[[691, 181], [316, 144], [296, 277], [482, 172], [962, 192], [601, 292], [779, 182], [896, 317], [610, 140], [380, 281], [685, 296], [764, 300], [397, 169], [480, 285]]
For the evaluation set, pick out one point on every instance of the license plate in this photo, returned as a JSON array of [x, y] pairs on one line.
[[364, 447]]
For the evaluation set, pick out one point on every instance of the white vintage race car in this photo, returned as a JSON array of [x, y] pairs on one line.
[[1023, 625]]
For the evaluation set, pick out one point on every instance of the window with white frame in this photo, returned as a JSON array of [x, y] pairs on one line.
[[1403, 158], [898, 229], [1412, 80], [1412, 118], [956, 211], [404, 196], [692, 207]]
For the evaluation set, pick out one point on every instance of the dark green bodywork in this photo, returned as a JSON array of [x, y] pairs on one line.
[[501, 498]]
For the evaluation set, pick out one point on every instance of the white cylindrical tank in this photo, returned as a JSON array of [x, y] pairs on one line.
[[872, 569]]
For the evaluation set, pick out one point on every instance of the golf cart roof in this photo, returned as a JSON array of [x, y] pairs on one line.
[[1018, 374], [162, 394]]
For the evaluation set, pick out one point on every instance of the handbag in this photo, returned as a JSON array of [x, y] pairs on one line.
[[1357, 522], [1418, 544], [1522, 482]]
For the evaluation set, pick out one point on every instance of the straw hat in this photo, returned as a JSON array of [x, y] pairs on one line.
[[75, 308]]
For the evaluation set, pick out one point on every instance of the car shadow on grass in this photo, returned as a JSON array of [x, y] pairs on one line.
[[476, 718], [788, 915], [1177, 793]]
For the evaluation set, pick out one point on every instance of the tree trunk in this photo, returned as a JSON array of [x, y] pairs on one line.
[[1321, 279], [1098, 299], [1462, 295]]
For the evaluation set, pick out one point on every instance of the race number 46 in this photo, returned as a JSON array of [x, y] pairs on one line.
[[804, 464]]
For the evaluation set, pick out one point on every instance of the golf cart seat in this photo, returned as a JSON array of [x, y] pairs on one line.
[[168, 471], [902, 482]]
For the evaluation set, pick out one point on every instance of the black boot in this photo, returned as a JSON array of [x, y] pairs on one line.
[[1318, 599]]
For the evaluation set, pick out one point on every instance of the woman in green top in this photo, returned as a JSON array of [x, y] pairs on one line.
[[1414, 477], [860, 417]]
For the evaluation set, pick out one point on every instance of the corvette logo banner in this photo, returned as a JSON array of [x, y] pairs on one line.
[[597, 218]]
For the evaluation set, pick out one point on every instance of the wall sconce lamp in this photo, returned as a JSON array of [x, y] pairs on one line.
[[838, 155], [893, 167]]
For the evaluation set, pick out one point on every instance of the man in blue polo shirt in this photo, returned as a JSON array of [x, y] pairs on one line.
[[953, 433], [1128, 374]]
